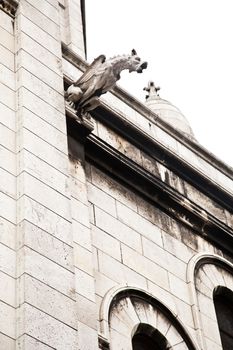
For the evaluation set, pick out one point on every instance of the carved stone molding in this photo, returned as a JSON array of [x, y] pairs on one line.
[[9, 6]]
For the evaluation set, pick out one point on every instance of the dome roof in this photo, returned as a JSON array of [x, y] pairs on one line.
[[167, 111]]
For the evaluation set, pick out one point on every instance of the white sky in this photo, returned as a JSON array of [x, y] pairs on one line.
[[189, 48]]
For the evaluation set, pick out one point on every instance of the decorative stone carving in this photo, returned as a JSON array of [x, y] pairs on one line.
[[9, 6], [100, 77]]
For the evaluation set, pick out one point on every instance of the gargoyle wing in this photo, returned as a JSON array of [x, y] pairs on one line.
[[93, 69]]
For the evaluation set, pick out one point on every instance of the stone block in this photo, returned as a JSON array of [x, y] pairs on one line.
[[212, 345], [206, 306], [164, 259], [8, 160], [87, 337], [48, 9], [7, 117], [7, 320], [38, 69], [101, 199], [179, 288], [176, 247], [113, 188], [78, 189], [83, 259], [44, 218], [49, 300], [84, 284], [42, 109], [46, 271], [28, 343], [8, 208], [162, 295], [210, 329], [7, 233], [43, 172], [7, 343], [7, 290], [77, 170], [145, 267], [117, 229], [81, 235], [184, 312], [106, 243], [120, 273], [44, 130], [40, 52], [40, 14], [7, 183], [7, 138], [43, 150], [7, 57], [43, 194], [7, 96], [103, 284], [45, 244], [86, 311], [7, 77], [47, 329], [40, 89], [39, 35], [80, 212], [138, 223]]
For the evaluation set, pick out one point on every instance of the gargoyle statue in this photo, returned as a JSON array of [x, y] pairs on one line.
[[100, 77]]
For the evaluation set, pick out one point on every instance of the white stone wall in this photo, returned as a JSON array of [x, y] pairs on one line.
[[46, 303], [68, 232], [7, 183]]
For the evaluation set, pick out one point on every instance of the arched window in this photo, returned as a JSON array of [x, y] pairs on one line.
[[148, 338], [223, 302]]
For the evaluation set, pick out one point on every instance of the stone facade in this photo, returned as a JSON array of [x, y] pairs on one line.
[[110, 227]]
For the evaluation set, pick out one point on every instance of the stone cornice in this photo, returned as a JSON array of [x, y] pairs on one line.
[[156, 150], [120, 93], [153, 189], [9, 6]]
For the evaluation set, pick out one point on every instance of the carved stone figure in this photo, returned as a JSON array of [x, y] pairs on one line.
[[100, 77]]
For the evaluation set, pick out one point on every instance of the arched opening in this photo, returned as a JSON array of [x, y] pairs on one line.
[[223, 302], [148, 338]]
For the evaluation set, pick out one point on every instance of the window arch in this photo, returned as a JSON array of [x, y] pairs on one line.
[[148, 338], [130, 315], [223, 302]]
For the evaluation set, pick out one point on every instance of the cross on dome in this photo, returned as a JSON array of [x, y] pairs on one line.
[[152, 90]]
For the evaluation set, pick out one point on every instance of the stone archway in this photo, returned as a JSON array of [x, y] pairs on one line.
[[206, 272], [130, 310]]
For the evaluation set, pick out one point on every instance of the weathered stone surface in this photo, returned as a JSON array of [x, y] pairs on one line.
[[7, 320], [105, 242], [44, 218], [117, 229], [48, 330], [49, 300]]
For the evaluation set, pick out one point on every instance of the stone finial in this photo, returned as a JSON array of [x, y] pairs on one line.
[[152, 90]]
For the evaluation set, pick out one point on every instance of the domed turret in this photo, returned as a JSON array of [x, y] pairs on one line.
[[166, 111]]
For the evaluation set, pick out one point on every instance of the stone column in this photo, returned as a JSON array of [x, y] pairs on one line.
[[46, 315]]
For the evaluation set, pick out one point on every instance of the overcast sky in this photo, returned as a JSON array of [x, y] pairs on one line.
[[189, 48]]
